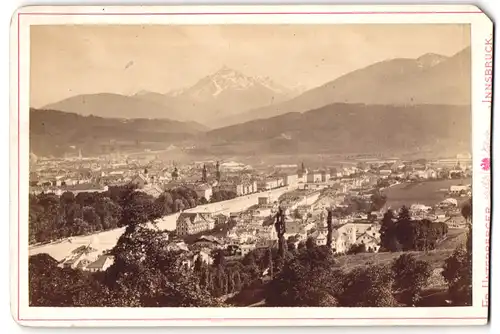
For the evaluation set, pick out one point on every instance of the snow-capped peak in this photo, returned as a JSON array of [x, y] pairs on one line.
[[227, 79]]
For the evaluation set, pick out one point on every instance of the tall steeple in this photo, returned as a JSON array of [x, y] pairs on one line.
[[175, 173], [217, 171], [204, 174]]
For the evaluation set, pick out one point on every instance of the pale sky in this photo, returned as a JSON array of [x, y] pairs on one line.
[[72, 60]]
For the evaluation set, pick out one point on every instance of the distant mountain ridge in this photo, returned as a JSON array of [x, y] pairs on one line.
[[112, 105], [397, 105], [226, 79], [53, 133], [344, 128], [429, 79], [224, 93]]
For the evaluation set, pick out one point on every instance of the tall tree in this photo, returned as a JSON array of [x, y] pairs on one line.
[[269, 262], [237, 281], [280, 227], [388, 237], [329, 225]]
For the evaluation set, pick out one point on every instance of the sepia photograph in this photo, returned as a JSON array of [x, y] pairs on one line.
[[250, 166]]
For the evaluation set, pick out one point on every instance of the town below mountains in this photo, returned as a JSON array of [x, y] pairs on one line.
[[396, 106]]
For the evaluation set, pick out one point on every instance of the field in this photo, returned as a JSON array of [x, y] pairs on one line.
[[427, 192]]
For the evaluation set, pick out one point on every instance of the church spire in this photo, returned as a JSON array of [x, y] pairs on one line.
[[204, 174], [217, 171], [175, 173]]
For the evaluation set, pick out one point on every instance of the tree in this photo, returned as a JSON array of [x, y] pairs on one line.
[[457, 272], [329, 225], [309, 279], [139, 208], [368, 287], [410, 277], [310, 243], [148, 273], [378, 201], [404, 213], [383, 183], [388, 237], [357, 248], [219, 259], [92, 218], [198, 265], [237, 281], [165, 203], [280, 227], [52, 286], [467, 211], [421, 235], [108, 211], [269, 262]]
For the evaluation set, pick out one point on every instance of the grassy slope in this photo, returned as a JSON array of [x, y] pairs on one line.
[[434, 294]]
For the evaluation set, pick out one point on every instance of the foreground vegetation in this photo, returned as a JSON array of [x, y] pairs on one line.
[[148, 272]]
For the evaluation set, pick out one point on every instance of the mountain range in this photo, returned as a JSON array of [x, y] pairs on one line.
[[429, 79], [333, 129], [55, 133], [225, 93], [398, 105], [351, 128]]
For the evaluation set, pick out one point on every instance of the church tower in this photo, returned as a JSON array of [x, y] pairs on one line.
[[217, 172], [204, 174], [175, 173]]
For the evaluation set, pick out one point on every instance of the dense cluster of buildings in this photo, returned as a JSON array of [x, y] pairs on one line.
[[312, 191]]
